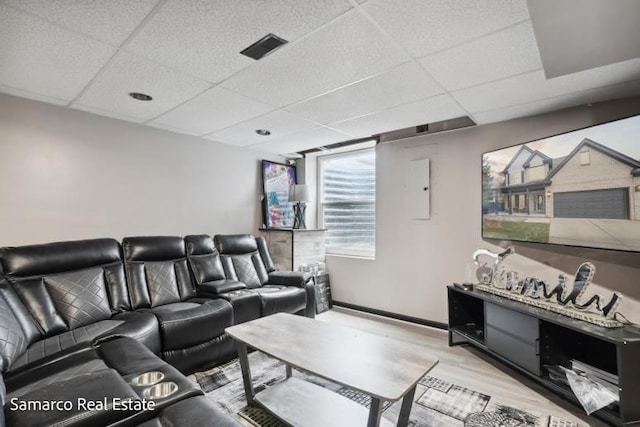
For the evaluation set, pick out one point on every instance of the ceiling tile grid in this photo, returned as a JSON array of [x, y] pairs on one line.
[[204, 37], [110, 21], [45, 59], [278, 122], [129, 73], [400, 85], [437, 108], [30, 95], [534, 86], [428, 26], [353, 68], [213, 110], [346, 50], [313, 138], [501, 54], [559, 102]]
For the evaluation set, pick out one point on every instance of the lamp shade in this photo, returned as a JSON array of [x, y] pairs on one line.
[[299, 193]]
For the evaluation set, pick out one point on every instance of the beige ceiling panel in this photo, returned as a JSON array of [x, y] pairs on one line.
[[437, 108], [502, 54], [215, 109], [534, 86], [129, 73], [621, 90], [400, 85], [110, 21], [204, 37], [427, 26], [347, 50], [45, 59], [302, 141], [278, 122]]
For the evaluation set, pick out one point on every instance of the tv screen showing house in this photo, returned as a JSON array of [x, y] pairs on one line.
[[580, 188]]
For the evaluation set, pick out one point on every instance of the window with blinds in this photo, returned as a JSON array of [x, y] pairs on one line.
[[347, 202]]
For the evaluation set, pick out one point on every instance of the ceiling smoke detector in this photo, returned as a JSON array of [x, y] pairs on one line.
[[263, 132], [140, 96], [262, 47]]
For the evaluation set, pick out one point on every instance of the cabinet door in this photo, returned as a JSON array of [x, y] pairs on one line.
[[514, 336]]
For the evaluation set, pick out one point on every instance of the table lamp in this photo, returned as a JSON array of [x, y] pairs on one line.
[[299, 196]]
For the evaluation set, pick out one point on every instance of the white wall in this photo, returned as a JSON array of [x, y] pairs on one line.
[[416, 259], [68, 174]]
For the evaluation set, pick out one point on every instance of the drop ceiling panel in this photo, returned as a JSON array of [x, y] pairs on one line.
[[278, 122], [313, 138], [215, 109], [347, 50], [106, 113], [437, 108], [110, 21], [559, 102], [204, 37], [400, 85], [607, 32], [128, 73], [533, 86], [501, 54], [30, 95], [45, 59], [424, 27]]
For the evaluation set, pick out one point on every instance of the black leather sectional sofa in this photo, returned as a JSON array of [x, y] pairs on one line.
[[81, 322]]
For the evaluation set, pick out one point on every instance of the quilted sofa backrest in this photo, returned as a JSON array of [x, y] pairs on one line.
[[157, 270], [65, 285], [13, 339], [204, 259], [241, 259]]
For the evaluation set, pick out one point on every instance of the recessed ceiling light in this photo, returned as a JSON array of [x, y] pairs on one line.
[[263, 132], [140, 96]]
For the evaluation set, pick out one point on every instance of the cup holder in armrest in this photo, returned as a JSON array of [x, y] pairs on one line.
[[160, 390], [148, 378]]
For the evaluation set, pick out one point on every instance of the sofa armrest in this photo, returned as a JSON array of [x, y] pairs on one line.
[[217, 287], [289, 278]]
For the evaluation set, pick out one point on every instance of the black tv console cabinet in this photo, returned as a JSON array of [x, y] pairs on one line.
[[531, 339]]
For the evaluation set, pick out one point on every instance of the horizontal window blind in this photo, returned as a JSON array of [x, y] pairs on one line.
[[347, 199]]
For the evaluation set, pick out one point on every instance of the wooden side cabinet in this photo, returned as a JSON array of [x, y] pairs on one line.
[[535, 342], [291, 248]]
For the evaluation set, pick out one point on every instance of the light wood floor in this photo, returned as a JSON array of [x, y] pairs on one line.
[[467, 366]]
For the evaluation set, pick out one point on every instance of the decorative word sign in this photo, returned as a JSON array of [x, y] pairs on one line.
[[563, 298]]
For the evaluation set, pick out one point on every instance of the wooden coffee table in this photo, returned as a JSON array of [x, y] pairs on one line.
[[386, 369]]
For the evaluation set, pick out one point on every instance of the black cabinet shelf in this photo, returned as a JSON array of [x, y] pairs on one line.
[[531, 339]]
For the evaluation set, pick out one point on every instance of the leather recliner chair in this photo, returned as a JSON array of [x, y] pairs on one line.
[[191, 328], [246, 258]]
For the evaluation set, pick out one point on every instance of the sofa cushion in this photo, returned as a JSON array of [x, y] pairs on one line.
[[281, 299], [187, 324], [55, 344], [157, 270], [204, 259], [233, 244], [13, 341], [79, 296]]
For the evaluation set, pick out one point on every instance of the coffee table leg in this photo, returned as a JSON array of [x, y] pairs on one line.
[[405, 409], [246, 372], [288, 372], [375, 412]]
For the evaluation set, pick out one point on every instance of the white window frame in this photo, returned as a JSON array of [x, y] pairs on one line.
[[320, 210]]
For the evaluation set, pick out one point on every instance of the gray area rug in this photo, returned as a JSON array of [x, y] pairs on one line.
[[438, 403]]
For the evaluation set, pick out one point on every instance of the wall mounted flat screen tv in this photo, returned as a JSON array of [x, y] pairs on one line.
[[580, 188]]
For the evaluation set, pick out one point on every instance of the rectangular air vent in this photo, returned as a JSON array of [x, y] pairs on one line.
[[263, 46]]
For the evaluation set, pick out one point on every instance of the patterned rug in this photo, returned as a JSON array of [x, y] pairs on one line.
[[438, 403]]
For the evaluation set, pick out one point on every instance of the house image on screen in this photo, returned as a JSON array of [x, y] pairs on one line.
[[593, 181]]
